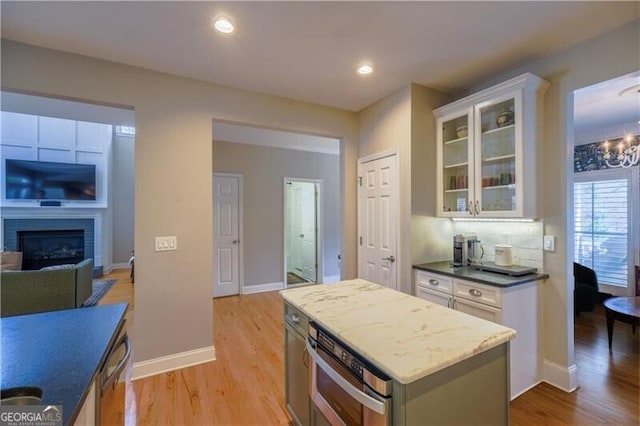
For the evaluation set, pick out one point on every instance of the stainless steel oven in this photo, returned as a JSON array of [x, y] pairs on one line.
[[346, 389]]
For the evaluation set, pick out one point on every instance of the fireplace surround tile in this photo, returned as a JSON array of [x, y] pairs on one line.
[[13, 226]]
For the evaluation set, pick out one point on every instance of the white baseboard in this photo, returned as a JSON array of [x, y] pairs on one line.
[[261, 288], [565, 378], [172, 362], [527, 389], [330, 279], [124, 265]]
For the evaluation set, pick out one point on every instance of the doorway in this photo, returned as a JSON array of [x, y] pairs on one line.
[[302, 231]]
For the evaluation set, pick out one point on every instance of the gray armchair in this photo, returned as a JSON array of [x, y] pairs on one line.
[[28, 292], [585, 292]]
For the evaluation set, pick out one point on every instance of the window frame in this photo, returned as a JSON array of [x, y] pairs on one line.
[[633, 244]]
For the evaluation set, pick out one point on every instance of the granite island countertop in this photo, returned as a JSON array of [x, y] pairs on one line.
[[484, 277], [60, 352], [406, 337]]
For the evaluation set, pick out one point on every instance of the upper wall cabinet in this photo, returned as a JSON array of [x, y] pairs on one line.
[[488, 151]]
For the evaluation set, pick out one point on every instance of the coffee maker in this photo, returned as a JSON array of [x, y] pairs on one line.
[[464, 249]]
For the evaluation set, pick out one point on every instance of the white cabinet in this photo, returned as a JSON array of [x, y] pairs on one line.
[[517, 307], [487, 151], [87, 414]]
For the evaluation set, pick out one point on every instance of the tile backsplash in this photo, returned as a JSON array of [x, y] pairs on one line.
[[525, 237]]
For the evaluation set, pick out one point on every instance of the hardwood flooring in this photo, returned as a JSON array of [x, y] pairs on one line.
[[245, 385]]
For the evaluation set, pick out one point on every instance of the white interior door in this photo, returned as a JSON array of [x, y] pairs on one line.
[[377, 217], [227, 234]]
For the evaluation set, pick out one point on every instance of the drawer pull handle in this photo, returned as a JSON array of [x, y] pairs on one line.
[[434, 282], [475, 293], [295, 318]]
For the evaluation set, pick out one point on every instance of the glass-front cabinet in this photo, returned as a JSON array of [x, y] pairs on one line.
[[487, 151], [457, 157]]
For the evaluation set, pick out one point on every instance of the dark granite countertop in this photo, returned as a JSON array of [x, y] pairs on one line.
[[484, 277], [60, 352]]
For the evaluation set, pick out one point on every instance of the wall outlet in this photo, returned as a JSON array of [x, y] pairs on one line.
[[166, 243], [549, 243]]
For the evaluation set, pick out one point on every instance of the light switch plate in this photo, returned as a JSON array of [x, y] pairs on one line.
[[166, 243], [549, 243]]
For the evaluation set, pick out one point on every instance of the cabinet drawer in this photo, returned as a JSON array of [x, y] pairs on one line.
[[434, 281], [434, 296], [478, 292], [296, 319]]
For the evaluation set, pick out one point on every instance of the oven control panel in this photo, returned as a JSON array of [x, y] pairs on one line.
[[350, 361]]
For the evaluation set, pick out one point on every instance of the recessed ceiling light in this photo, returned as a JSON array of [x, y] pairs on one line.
[[365, 69], [223, 25]]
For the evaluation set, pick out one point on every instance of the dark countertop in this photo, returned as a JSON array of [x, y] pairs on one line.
[[60, 352], [483, 277]]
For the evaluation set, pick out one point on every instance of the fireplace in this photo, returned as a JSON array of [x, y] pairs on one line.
[[49, 248]]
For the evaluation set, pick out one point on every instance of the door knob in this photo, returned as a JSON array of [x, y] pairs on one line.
[[390, 258], [236, 241], [301, 235]]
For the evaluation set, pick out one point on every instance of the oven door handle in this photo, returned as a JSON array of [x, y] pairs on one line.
[[355, 393]]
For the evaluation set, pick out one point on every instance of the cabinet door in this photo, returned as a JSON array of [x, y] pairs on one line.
[[498, 156], [455, 156], [479, 310], [87, 414], [297, 377], [437, 297]]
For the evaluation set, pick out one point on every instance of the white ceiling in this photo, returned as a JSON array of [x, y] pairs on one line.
[[309, 50]]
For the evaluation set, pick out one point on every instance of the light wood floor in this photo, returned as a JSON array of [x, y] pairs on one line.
[[245, 385]]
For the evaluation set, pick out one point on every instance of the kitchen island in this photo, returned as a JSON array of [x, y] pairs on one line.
[[61, 353], [446, 366]]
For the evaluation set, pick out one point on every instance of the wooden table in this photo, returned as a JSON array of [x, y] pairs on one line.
[[625, 309]]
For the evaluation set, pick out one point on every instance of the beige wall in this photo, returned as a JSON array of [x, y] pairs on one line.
[[173, 168], [264, 169], [430, 236], [404, 121], [384, 126]]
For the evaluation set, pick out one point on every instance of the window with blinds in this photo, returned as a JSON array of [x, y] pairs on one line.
[[601, 220]]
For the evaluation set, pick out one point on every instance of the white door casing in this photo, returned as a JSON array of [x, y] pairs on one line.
[[309, 229], [227, 199], [377, 219]]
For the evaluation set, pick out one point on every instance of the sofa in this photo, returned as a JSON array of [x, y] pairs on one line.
[[28, 292]]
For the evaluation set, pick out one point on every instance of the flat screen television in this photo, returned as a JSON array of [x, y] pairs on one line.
[[44, 180]]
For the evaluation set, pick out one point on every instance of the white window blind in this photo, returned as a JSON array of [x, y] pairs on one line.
[[601, 221]]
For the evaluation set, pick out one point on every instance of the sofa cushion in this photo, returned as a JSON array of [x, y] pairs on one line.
[[11, 261], [28, 292]]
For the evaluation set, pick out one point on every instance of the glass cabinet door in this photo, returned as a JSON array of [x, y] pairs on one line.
[[496, 157], [456, 156]]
